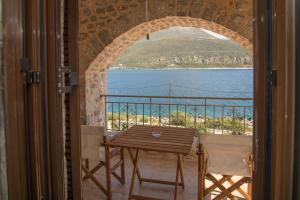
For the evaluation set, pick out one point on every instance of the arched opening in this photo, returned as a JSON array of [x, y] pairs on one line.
[[96, 74], [225, 112]]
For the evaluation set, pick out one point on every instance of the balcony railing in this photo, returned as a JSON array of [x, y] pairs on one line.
[[215, 115]]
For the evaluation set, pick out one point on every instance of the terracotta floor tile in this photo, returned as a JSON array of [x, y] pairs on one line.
[[152, 165]]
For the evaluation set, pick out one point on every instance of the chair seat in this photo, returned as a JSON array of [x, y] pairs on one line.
[[227, 160], [227, 155]]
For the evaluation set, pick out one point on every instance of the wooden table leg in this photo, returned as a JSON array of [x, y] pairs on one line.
[[137, 168], [181, 173], [122, 165], [108, 172], [134, 172], [177, 176], [201, 174]]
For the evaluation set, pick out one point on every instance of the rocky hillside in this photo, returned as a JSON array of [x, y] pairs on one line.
[[184, 48]]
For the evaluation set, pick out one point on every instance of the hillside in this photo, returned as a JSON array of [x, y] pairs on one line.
[[184, 47]]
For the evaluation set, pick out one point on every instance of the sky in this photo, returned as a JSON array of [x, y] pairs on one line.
[[216, 35]]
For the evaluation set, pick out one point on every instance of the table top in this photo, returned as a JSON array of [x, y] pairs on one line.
[[172, 139]]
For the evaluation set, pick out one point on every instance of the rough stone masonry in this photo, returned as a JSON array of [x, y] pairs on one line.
[[105, 22]]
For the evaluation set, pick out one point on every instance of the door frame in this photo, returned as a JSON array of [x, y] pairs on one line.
[[260, 93], [274, 95], [35, 146], [296, 182], [18, 175], [17, 172], [283, 110]]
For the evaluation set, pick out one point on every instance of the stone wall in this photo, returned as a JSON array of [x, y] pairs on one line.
[[102, 23], [95, 79]]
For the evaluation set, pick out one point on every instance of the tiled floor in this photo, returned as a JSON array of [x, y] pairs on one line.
[[152, 165]]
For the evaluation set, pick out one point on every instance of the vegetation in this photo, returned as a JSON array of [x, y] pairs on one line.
[[176, 49], [226, 125]]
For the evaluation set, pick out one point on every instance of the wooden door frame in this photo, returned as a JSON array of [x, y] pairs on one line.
[[17, 172], [74, 97], [14, 108], [284, 99], [53, 11], [44, 139], [274, 110], [260, 94], [296, 182]]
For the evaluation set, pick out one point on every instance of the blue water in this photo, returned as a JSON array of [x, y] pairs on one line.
[[227, 83], [201, 82]]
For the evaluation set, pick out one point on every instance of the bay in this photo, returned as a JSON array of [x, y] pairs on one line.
[[217, 82]]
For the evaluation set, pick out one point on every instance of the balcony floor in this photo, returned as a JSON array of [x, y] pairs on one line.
[[155, 166]]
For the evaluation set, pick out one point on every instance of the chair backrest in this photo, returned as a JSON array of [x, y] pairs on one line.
[[227, 154], [91, 139]]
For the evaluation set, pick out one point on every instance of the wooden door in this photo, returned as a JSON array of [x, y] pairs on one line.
[[296, 181], [18, 181], [45, 33], [34, 46]]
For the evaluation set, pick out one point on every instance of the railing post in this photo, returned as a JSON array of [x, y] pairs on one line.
[[169, 114], [112, 116], [127, 116], [233, 120], [195, 117], [105, 113], [159, 114], [136, 114], [150, 111], [143, 114], [222, 119], [119, 116], [185, 115], [105, 106], [177, 114], [205, 105], [244, 120], [214, 119]]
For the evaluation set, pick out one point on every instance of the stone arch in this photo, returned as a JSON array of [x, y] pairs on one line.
[[95, 75]]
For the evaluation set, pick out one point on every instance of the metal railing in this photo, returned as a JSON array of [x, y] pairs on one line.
[[216, 115]]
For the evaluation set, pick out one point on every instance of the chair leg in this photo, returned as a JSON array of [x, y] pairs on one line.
[[93, 171], [201, 175], [87, 164], [181, 172], [137, 169], [91, 176], [122, 165], [177, 176], [250, 189], [134, 172], [108, 172]]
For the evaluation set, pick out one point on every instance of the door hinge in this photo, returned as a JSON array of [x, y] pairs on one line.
[[274, 77], [31, 76], [67, 79]]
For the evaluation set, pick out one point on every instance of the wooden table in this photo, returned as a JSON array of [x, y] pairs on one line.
[[172, 140]]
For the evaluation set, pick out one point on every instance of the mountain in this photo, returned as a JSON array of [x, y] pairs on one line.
[[184, 48]]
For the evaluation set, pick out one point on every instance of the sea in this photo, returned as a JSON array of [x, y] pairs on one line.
[[204, 83]]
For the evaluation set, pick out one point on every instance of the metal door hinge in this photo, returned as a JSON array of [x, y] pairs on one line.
[[31, 76], [67, 79], [274, 77]]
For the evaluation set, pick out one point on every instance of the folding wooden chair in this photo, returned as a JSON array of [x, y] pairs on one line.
[[225, 156], [93, 139]]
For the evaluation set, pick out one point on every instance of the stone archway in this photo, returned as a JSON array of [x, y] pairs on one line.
[[96, 77]]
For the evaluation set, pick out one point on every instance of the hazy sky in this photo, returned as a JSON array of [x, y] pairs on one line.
[[221, 37]]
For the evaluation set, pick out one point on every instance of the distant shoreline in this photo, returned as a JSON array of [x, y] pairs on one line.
[[180, 68]]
